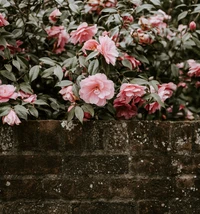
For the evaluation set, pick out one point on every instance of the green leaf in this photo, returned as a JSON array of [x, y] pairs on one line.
[[70, 114], [93, 67], [79, 113], [182, 15], [74, 7], [155, 2], [26, 88], [17, 33], [23, 61], [21, 111], [109, 10], [92, 55], [157, 98], [143, 7], [34, 72], [127, 63], [47, 73], [40, 102], [175, 70], [4, 110], [9, 75], [139, 81], [58, 72], [64, 83], [196, 41], [47, 61], [16, 64], [88, 108], [3, 42], [33, 111], [8, 67]]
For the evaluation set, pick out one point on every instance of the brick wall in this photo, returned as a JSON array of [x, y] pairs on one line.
[[114, 167]]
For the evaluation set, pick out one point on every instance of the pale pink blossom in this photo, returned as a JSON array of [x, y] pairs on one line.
[[3, 21], [68, 94], [90, 45], [194, 68], [96, 89], [11, 118], [83, 33], [153, 107], [142, 37], [192, 26], [7, 92], [53, 17], [124, 110], [108, 49], [166, 90], [26, 97], [61, 36], [130, 91]]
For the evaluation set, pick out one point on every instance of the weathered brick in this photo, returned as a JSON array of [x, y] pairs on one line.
[[8, 142], [196, 143], [186, 206], [81, 188], [115, 136], [103, 207], [150, 189], [182, 137], [153, 207], [149, 137], [21, 189], [40, 136], [124, 188], [30, 164], [56, 207], [187, 186], [85, 165], [151, 165]]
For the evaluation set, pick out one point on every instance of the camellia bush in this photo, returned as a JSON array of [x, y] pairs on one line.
[[99, 59]]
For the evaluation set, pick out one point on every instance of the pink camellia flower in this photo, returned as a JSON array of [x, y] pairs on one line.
[[7, 92], [3, 21], [28, 98], [192, 26], [15, 48], [134, 62], [67, 94], [153, 107], [96, 89], [90, 45], [83, 33], [127, 20], [130, 91], [53, 17], [142, 37], [124, 110], [166, 90], [108, 49], [11, 118], [194, 68], [61, 36]]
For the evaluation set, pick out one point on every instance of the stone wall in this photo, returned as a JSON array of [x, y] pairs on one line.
[[114, 167]]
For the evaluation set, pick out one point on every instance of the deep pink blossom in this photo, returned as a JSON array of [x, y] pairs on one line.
[[96, 89], [61, 36], [124, 110], [108, 49], [130, 91], [83, 33], [53, 17], [192, 26], [3, 21], [11, 118], [68, 94], [142, 37], [7, 92]]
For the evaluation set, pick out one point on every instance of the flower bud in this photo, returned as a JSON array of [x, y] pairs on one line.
[[192, 26]]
